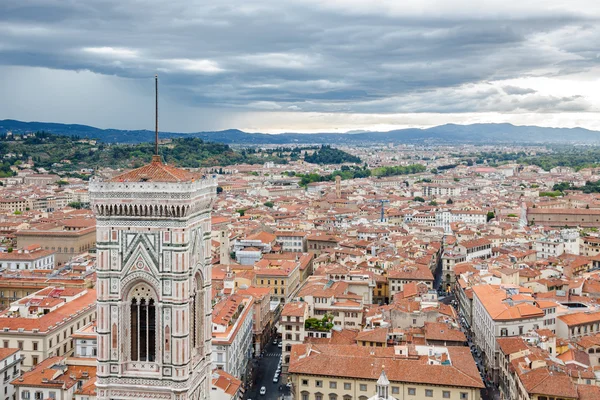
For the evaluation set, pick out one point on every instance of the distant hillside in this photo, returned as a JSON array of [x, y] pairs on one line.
[[62, 153], [446, 134]]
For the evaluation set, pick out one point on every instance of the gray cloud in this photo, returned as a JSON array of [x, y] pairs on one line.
[[517, 90], [308, 55]]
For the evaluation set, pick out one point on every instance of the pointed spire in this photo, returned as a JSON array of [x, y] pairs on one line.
[[156, 157], [383, 380], [383, 385]]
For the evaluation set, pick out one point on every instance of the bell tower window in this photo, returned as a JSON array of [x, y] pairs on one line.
[[197, 316], [143, 324]]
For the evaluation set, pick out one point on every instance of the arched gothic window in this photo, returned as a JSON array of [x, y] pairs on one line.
[[143, 324], [197, 315]]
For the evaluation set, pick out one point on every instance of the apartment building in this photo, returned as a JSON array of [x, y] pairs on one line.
[[41, 324], [10, 368], [67, 239], [262, 315], [319, 242], [291, 241], [500, 312], [415, 273], [360, 283], [445, 218], [28, 258], [293, 317], [590, 246], [433, 190], [475, 248], [282, 276], [529, 372], [16, 285], [576, 325], [334, 298], [53, 378], [319, 371], [85, 341], [232, 335], [449, 260]]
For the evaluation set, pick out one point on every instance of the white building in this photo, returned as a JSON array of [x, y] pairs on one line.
[[249, 251], [232, 338], [10, 368], [153, 230], [433, 190], [27, 258], [556, 245], [444, 218], [476, 248], [549, 247], [292, 241], [500, 312], [86, 342]]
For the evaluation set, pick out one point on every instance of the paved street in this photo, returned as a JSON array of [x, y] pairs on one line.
[[490, 392], [264, 377]]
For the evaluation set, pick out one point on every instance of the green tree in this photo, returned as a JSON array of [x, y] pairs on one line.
[[449, 201], [269, 204], [419, 199], [433, 203], [490, 215]]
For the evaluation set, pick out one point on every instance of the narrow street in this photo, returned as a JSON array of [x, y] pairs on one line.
[[490, 392], [267, 365]]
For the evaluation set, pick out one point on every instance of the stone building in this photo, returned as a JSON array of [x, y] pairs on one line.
[[154, 283]]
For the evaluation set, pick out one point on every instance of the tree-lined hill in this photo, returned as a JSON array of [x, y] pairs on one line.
[[73, 154], [449, 133]]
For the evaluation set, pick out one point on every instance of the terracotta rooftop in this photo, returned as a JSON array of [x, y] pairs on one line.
[[580, 318], [368, 362], [443, 332], [156, 171], [226, 382], [294, 309], [378, 335], [496, 302]]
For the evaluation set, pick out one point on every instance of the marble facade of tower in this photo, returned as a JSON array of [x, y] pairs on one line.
[[154, 283]]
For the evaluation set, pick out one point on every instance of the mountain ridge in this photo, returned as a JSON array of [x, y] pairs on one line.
[[479, 133]]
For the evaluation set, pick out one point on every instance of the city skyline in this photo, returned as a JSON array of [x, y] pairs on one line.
[[302, 66]]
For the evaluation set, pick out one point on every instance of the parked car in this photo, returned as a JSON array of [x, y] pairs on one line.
[[263, 391], [275, 341], [276, 379], [279, 344]]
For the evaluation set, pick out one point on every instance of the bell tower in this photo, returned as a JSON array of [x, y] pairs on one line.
[[154, 283]]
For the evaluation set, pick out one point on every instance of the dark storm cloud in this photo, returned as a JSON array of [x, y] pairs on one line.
[[305, 55]]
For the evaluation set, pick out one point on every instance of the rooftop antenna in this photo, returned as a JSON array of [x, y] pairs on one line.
[[156, 157]]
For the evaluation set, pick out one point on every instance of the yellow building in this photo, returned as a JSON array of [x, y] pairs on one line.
[[41, 324], [68, 239], [15, 287], [282, 276], [348, 372]]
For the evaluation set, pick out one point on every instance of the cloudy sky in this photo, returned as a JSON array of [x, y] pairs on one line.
[[300, 65]]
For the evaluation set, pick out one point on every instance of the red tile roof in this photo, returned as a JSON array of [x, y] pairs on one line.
[[368, 362], [156, 171]]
